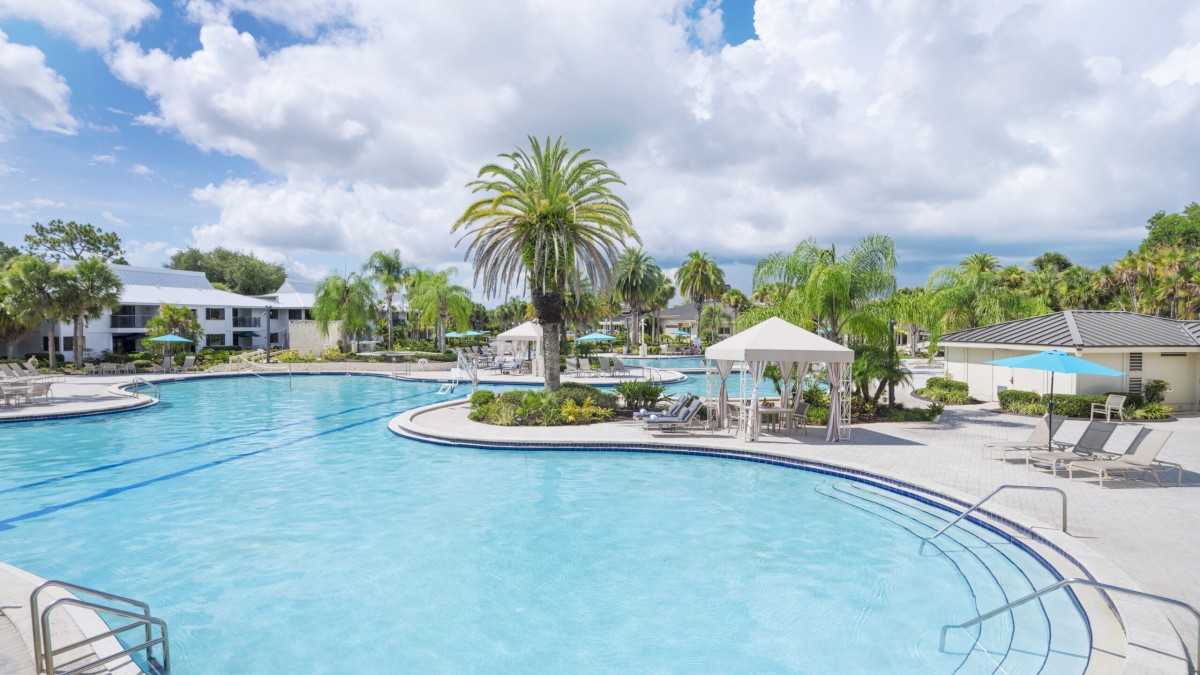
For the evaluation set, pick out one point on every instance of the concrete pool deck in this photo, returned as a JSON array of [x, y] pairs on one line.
[[1129, 533]]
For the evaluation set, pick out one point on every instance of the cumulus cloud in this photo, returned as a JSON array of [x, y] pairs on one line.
[[32, 92], [25, 210], [91, 23], [948, 126], [113, 218], [104, 159], [141, 169], [147, 253]]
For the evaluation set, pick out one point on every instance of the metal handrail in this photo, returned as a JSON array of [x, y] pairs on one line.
[[1094, 584], [140, 382], [993, 493], [43, 653]]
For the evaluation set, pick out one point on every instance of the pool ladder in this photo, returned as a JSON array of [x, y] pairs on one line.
[[44, 651], [140, 382]]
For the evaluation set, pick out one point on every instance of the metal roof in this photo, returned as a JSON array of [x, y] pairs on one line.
[[294, 294], [158, 286], [686, 312], [1084, 328]]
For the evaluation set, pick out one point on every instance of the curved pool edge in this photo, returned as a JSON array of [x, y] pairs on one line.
[[1127, 637]]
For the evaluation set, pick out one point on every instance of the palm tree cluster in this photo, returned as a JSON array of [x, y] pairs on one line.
[[34, 291]]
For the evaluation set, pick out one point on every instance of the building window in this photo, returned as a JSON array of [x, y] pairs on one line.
[[274, 314], [215, 314], [215, 339], [295, 314], [46, 343]]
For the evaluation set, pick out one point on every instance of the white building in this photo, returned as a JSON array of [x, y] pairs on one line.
[[227, 319], [292, 302], [1143, 347]]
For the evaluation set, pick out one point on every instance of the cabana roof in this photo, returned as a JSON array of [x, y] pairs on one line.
[[526, 332], [778, 340]]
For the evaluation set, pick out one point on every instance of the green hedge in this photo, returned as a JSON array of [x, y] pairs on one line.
[[1070, 405], [1011, 398], [946, 384]]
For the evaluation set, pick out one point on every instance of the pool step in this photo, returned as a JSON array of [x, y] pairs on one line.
[[1020, 648]]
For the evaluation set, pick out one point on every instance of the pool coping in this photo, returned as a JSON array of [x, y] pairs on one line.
[[1141, 629]]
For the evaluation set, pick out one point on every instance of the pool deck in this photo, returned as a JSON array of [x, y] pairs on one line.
[[1129, 533]]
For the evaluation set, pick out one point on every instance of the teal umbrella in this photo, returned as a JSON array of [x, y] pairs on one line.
[[681, 333], [595, 337], [454, 335], [473, 333], [1055, 361], [169, 337]]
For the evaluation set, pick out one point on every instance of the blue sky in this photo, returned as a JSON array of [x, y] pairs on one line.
[[314, 131]]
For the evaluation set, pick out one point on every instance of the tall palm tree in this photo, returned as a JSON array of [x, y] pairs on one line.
[[32, 290], [390, 272], [713, 315], [438, 301], [700, 279], [349, 299], [660, 300], [966, 298], [635, 282], [828, 289], [548, 218], [980, 262], [1130, 272], [735, 300], [90, 288]]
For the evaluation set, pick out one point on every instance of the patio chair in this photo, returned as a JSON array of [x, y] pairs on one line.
[[1114, 404], [618, 367], [189, 364], [797, 416], [90, 369], [672, 411], [1090, 445], [39, 390], [9, 376], [1039, 438], [606, 367], [168, 365], [1143, 459], [682, 421]]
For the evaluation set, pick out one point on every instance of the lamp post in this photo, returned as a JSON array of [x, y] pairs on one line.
[[892, 356]]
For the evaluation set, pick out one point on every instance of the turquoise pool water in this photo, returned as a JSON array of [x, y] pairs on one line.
[[668, 363], [283, 529]]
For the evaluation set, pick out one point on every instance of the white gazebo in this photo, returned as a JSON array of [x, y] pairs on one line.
[[523, 335], [777, 341]]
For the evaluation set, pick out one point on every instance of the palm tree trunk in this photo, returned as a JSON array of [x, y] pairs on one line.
[[80, 320], [51, 345], [441, 333], [388, 298], [550, 351]]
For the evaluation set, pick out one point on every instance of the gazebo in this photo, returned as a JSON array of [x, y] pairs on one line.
[[528, 333], [777, 341]]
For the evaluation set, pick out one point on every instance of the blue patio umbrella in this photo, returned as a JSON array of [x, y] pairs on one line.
[[454, 334], [169, 337], [473, 333], [1055, 361], [595, 337], [681, 333]]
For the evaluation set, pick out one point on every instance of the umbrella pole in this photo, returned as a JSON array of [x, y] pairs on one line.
[[1050, 419]]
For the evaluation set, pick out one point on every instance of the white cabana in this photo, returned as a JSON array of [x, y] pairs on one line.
[[523, 335], [777, 341]]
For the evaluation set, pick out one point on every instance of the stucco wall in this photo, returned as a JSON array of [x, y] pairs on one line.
[[305, 338]]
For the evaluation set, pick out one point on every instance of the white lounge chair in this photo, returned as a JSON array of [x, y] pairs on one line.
[[1142, 459], [618, 367], [189, 364], [1040, 438], [605, 367], [676, 423], [1090, 445], [1114, 404]]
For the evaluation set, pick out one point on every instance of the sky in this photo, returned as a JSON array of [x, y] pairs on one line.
[[312, 132]]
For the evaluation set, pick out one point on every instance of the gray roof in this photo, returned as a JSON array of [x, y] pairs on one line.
[[685, 312], [1085, 328], [161, 286]]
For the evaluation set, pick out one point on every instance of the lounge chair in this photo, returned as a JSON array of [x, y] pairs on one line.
[[673, 411], [1114, 404], [1089, 446], [618, 367], [682, 421], [1141, 458], [796, 417], [189, 364], [168, 365], [1040, 438], [39, 390], [606, 367]]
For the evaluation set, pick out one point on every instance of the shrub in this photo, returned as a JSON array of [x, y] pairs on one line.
[[1030, 408], [44, 358], [818, 416], [578, 392], [1010, 398], [815, 396], [511, 397], [482, 398], [587, 412], [1151, 411], [947, 384], [1155, 391], [947, 396], [480, 413], [902, 414], [141, 364], [332, 354], [640, 395], [504, 414]]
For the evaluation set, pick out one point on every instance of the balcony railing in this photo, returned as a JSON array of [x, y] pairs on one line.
[[129, 320], [247, 321]]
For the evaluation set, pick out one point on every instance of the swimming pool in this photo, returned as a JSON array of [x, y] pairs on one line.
[[282, 528], [672, 363]]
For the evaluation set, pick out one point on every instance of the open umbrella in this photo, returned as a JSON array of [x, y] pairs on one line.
[[681, 333], [454, 334], [169, 337], [1055, 361], [595, 337], [473, 333]]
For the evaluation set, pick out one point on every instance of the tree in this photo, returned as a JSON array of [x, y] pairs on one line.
[[876, 363], [349, 299], [57, 240], [239, 272], [1051, 260], [980, 262], [828, 289], [736, 300], [713, 315], [12, 325], [635, 282], [966, 297], [700, 279], [1175, 229], [388, 270], [547, 218], [664, 292], [175, 320], [31, 292], [7, 253], [438, 301], [91, 288]]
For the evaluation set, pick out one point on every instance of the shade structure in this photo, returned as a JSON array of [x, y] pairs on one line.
[[595, 337], [169, 337], [1055, 361], [778, 340], [681, 333], [526, 332]]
